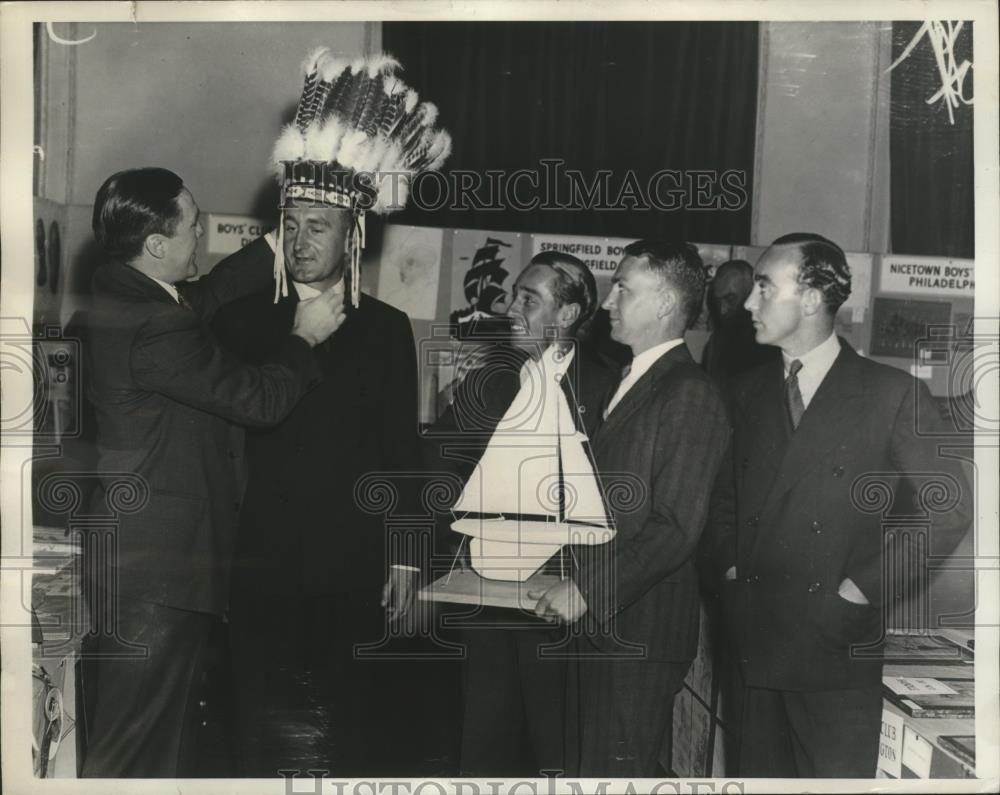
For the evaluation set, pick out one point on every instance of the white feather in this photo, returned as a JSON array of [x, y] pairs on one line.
[[311, 63], [392, 194], [323, 143], [375, 154], [383, 62], [411, 100], [332, 66], [390, 158], [289, 146], [350, 148], [430, 114], [439, 151]]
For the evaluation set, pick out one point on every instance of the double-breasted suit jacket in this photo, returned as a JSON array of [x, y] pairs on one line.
[[795, 514]]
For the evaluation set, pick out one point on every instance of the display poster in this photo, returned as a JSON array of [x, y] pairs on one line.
[[226, 234], [600, 254], [890, 746], [898, 324], [409, 269], [928, 276], [484, 266]]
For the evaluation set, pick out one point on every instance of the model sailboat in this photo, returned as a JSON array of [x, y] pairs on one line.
[[535, 489]]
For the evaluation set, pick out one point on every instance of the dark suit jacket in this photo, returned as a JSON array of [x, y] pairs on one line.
[[795, 518], [302, 529], [165, 395], [658, 454]]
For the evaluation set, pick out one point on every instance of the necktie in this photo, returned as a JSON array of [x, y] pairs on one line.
[[793, 397], [182, 301], [619, 392]]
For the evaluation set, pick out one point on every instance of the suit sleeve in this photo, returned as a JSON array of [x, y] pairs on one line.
[[717, 548], [939, 484], [690, 441], [249, 270], [174, 355], [400, 437]]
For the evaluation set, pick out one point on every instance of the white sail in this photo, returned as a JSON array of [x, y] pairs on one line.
[[534, 466], [583, 501]]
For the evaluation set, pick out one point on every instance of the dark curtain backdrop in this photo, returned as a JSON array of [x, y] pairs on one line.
[[932, 160], [639, 97]]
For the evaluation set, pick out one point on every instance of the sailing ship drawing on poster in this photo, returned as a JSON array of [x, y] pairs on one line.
[[535, 489]]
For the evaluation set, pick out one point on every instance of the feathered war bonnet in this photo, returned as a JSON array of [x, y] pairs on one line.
[[359, 137]]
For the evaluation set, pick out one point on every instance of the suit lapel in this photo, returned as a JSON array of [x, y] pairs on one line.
[[640, 392], [821, 429], [768, 430]]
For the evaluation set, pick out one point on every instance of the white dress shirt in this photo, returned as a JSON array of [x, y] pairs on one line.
[[640, 364], [815, 365], [307, 291], [169, 288]]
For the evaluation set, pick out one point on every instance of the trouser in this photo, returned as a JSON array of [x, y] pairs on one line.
[[812, 734], [307, 699], [514, 703], [141, 691], [625, 716]]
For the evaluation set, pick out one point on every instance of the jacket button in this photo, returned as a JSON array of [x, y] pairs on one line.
[[817, 526], [753, 520], [747, 580], [838, 472], [813, 587], [755, 578]]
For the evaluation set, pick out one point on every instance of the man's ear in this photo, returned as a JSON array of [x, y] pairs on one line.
[[155, 245], [667, 302], [567, 315], [812, 301]]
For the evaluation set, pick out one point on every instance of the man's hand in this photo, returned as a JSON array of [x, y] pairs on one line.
[[562, 602], [398, 592], [317, 318], [850, 592]]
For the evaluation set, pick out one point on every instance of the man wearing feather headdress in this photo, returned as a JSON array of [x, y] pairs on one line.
[[311, 564]]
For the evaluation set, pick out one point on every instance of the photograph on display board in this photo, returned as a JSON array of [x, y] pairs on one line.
[[409, 269], [898, 324]]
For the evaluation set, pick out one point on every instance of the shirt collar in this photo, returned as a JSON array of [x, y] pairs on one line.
[[820, 359], [643, 361], [307, 291], [554, 361], [168, 287]]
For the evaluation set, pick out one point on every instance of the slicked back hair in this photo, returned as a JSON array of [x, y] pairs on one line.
[[823, 266], [132, 205], [574, 283]]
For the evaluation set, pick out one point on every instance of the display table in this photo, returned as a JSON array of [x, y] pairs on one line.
[[922, 746]]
